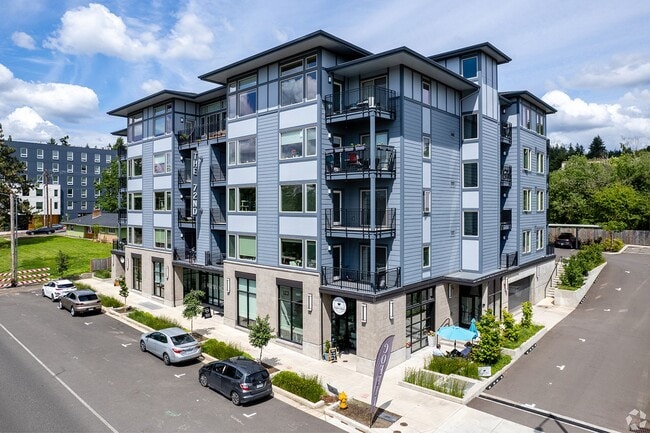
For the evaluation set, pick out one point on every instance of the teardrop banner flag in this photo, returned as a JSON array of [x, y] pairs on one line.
[[381, 364]]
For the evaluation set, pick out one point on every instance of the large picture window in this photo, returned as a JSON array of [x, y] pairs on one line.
[[162, 200], [137, 273], [242, 247], [290, 314], [298, 198], [242, 98], [298, 81], [297, 252], [246, 302], [242, 151], [162, 238], [135, 167], [162, 163], [135, 201], [162, 122], [470, 67], [298, 142], [242, 199], [158, 279]]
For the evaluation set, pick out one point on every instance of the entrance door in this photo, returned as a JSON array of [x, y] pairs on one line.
[[381, 200], [336, 262], [470, 304], [337, 98], [337, 200], [344, 334]]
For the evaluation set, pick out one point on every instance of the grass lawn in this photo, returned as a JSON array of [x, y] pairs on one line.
[[42, 251]]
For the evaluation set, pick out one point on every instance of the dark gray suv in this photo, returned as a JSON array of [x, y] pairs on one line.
[[239, 378]]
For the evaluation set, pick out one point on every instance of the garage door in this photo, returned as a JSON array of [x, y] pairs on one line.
[[518, 292]]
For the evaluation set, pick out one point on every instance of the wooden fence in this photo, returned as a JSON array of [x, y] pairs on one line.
[[99, 264], [24, 277], [629, 237]]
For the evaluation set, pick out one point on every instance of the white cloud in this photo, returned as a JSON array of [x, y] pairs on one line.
[[152, 86], [23, 40], [26, 124], [624, 70]]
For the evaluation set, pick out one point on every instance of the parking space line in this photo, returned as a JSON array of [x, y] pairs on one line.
[[70, 390]]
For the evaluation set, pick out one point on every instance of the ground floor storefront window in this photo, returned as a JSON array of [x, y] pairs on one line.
[[290, 314], [420, 317], [494, 299], [158, 279], [210, 284], [246, 302], [137, 273]]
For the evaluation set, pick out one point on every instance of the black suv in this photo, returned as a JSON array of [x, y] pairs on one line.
[[241, 379], [565, 240]]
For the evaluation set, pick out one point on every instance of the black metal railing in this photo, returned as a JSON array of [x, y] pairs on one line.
[[213, 259], [217, 217], [356, 159], [184, 178], [509, 260], [121, 153], [185, 216], [122, 216], [361, 100], [506, 219], [187, 254], [357, 221], [217, 174], [205, 131], [360, 281], [118, 245], [550, 249], [506, 133], [506, 176]]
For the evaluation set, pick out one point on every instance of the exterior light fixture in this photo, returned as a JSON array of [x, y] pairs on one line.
[[391, 310], [310, 302], [228, 286], [364, 313]]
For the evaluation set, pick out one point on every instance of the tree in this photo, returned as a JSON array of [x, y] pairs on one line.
[[124, 290], [12, 180], [64, 140], [597, 149], [52, 141], [488, 349], [261, 333], [62, 263], [192, 306], [619, 203], [109, 186]]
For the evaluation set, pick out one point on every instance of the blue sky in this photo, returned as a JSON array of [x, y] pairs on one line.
[[64, 64]]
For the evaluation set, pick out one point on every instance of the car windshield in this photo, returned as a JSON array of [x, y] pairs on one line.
[[89, 297], [182, 339]]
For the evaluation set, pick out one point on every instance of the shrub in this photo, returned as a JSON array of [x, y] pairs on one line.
[[109, 301], [523, 334], [510, 330], [427, 380], [614, 246], [445, 365], [152, 321], [527, 314], [488, 349], [306, 386], [102, 273], [220, 350], [572, 277]]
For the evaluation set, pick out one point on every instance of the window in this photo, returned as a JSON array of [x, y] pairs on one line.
[[84, 157], [246, 302], [470, 67], [134, 128], [541, 158], [23, 152], [84, 205], [135, 201], [84, 180], [526, 119], [84, 193], [55, 167], [242, 247], [162, 200], [70, 192], [528, 159], [426, 201], [470, 175], [242, 199], [56, 193], [296, 143], [39, 166], [137, 273], [291, 198], [55, 154], [98, 158], [70, 180], [426, 147], [39, 205], [135, 167], [135, 235], [70, 168], [540, 239], [470, 223], [70, 156], [242, 151], [39, 153], [298, 82], [162, 238], [108, 159], [290, 305], [98, 170], [242, 98], [158, 279], [291, 252], [540, 201], [540, 123], [39, 192], [470, 126], [162, 163], [55, 180], [426, 256], [526, 241], [69, 204], [528, 197], [162, 122], [426, 92], [84, 168]]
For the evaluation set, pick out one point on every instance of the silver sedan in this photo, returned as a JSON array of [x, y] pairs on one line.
[[171, 344]]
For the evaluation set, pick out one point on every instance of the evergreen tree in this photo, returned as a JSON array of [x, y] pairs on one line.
[[597, 149]]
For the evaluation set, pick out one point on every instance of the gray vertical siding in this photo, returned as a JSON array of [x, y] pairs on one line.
[[267, 189], [203, 236], [489, 186], [147, 194]]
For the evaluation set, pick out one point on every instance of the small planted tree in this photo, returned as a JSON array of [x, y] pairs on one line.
[[261, 333], [488, 350], [192, 304], [527, 314], [62, 263], [510, 331], [124, 290]]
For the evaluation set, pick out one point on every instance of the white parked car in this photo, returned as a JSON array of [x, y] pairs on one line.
[[56, 289]]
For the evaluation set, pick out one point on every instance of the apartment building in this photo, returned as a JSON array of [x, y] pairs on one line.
[[64, 178], [348, 195]]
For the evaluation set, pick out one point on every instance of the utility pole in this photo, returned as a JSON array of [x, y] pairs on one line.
[[14, 249], [47, 222]]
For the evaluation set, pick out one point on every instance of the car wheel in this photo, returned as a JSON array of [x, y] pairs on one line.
[[143, 346], [203, 380], [43, 292], [52, 297], [60, 305], [234, 397], [72, 312], [166, 359]]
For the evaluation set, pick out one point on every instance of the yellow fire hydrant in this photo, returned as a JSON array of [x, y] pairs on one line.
[[343, 400]]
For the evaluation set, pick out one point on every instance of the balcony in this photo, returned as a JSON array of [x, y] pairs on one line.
[[121, 184], [118, 245], [185, 255], [352, 280], [506, 176], [359, 103], [509, 260], [185, 217], [217, 218], [122, 216], [206, 131], [214, 259], [217, 175], [184, 179], [355, 223], [354, 162], [506, 133], [506, 219], [121, 153]]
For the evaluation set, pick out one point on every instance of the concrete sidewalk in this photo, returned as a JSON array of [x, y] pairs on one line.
[[419, 412]]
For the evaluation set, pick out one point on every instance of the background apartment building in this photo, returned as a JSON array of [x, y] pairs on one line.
[[348, 195], [64, 178]]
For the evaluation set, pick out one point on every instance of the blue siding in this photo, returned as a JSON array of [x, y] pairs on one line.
[[489, 183], [203, 219], [267, 189], [147, 194]]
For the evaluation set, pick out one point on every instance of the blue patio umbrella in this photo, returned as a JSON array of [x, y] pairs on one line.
[[456, 333], [472, 327]]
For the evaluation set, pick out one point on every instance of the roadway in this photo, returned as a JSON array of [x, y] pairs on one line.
[[73, 374], [594, 365]]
